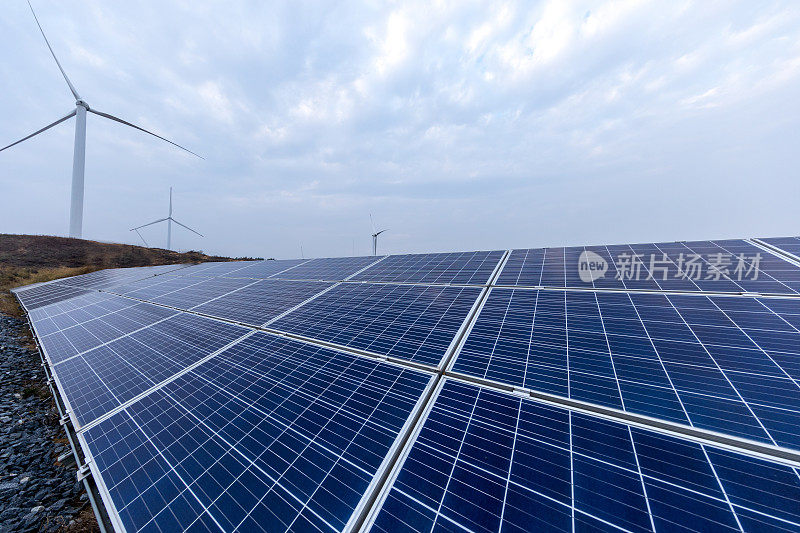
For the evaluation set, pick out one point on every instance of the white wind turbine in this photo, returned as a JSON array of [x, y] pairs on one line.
[[374, 236], [169, 221], [79, 155]]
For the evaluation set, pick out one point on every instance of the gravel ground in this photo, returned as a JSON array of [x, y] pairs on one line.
[[37, 492]]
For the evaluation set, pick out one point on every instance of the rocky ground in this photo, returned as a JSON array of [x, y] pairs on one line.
[[37, 491]]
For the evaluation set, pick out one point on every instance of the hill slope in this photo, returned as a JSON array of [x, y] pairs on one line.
[[28, 259]]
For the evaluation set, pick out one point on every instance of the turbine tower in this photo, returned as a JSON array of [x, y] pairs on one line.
[[374, 236], [79, 154], [169, 220]]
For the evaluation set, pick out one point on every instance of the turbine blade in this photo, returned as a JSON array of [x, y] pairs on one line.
[[149, 224], [71, 87], [187, 227], [140, 236], [59, 121], [117, 119], [381, 231], [371, 223]]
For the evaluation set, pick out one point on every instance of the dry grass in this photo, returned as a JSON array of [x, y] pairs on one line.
[[11, 277], [26, 259]]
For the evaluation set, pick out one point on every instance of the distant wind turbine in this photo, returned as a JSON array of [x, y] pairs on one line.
[[79, 155], [169, 221], [374, 236]]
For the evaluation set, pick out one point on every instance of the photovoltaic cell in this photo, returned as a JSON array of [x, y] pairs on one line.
[[103, 378], [277, 434], [263, 269], [410, 322], [329, 269], [720, 363], [103, 279], [490, 461], [715, 266], [787, 244], [200, 293], [42, 295], [463, 268], [262, 301]]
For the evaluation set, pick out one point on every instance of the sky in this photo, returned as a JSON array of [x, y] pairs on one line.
[[459, 125]]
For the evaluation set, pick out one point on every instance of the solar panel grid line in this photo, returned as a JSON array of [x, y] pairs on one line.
[[290, 274], [109, 503], [746, 334], [680, 485], [359, 271], [722, 371], [513, 351], [366, 520], [222, 295], [298, 306], [785, 246], [749, 263], [235, 398], [252, 463], [122, 335], [784, 254], [761, 450], [240, 274], [159, 385]]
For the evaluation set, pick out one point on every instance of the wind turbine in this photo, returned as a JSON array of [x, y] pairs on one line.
[[79, 154], [375, 236], [169, 221]]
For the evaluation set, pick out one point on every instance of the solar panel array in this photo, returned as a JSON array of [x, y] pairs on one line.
[[634, 388]]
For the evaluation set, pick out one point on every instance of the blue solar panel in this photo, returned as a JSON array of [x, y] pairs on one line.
[[490, 461], [449, 268], [726, 364], [105, 377], [200, 293], [47, 294], [262, 301], [410, 322], [75, 335], [277, 434], [787, 244], [328, 269], [256, 269], [716, 266], [103, 279], [190, 421]]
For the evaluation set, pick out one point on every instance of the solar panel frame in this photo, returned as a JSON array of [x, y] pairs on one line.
[[89, 436], [772, 327], [456, 268], [559, 268], [589, 354], [479, 466], [414, 323]]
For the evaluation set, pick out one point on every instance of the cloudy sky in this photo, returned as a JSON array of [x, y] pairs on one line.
[[460, 125]]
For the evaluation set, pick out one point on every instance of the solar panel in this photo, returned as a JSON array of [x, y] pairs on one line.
[[47, 294], [715, 266], [524, 390], [251, 269], [489, 461], [690, 359], [262, 301], [111, 277], [405, 321], [275, 434], [329, 269], [450, 268], [789, 245]]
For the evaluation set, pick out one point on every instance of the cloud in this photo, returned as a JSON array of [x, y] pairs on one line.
[[461, 125]]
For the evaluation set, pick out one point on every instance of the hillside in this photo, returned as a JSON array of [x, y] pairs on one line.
[[28, 259]]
